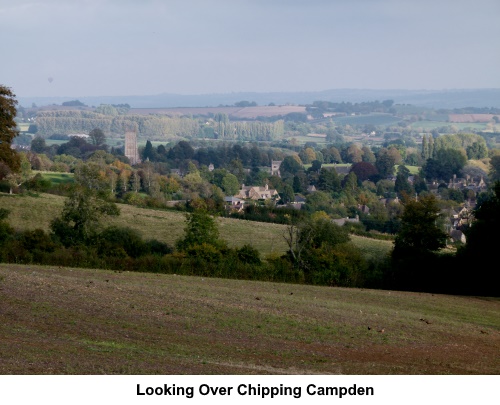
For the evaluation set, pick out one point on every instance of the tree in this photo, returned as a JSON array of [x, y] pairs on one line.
[[97, 137], [290, 165], [287, 196], [331, 155], [482, 245], [329, 180], [495, 168], [298, 183], [230, 184], [385, 163], [315, 166], [416, 264], [6, 231], [446, 163], [425, 148], [17, 179], [107, 109], [364, 170], [38, 145], [81, 217], [402, 185], [307, 155], [201, 228], [321, 250], [354, 153], [73, 103], [182, 151], [91, 176], [368, 155], [350, 183], [477, 151], [419, 233], [148, 153], [8, 129]]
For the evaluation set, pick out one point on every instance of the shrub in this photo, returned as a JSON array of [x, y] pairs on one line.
[[205, 252], [115, 240], [248, 254]]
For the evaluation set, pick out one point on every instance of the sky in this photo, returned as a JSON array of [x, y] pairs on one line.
[[71, 48]]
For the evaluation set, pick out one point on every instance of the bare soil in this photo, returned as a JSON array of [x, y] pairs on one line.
[[81, 321]]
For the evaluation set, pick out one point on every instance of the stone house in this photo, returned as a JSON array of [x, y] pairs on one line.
[[257, 193]]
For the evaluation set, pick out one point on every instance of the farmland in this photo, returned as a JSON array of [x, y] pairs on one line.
[[373, 119], [80, 321]]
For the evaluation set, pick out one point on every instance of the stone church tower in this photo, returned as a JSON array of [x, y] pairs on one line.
[[131, 150]]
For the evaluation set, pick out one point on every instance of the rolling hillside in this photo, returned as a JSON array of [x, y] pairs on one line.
[[81, 321], [28, 212]]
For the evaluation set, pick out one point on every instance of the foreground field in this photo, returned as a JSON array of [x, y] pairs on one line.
[[80, 321], [167, 226]]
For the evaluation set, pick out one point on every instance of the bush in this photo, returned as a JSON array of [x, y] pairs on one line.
[[114, 241], [158, 248], [204, 252], [248, 254], [38, 183]]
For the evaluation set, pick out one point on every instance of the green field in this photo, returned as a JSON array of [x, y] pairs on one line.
[[412, 169], [430, 125], [374, 119], [301, 140], [57, 320], [28, 212], [58, 178]]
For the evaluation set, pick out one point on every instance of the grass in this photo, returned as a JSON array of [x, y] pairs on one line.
[[302, 139], [29, 212], [374, 119], [430, 125], [412, 169], [81, 321], [57, 178]]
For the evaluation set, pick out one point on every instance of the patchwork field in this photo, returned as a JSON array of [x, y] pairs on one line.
[[80, 321]]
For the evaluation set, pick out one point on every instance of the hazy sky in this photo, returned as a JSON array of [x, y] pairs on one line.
[[143, 47]]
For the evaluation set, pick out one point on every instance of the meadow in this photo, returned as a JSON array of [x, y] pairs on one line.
[[373, 119], [37, 211], [57, 178], [430, 125]]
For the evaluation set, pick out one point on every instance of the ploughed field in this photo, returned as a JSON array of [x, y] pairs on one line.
[[86, 321]]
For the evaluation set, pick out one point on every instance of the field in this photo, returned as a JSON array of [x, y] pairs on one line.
[[57, 178], [430, 125], [301, 140], [28, 212], [374, 119], [81, 321]]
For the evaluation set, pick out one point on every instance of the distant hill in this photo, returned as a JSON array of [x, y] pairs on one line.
[[455, 98]]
